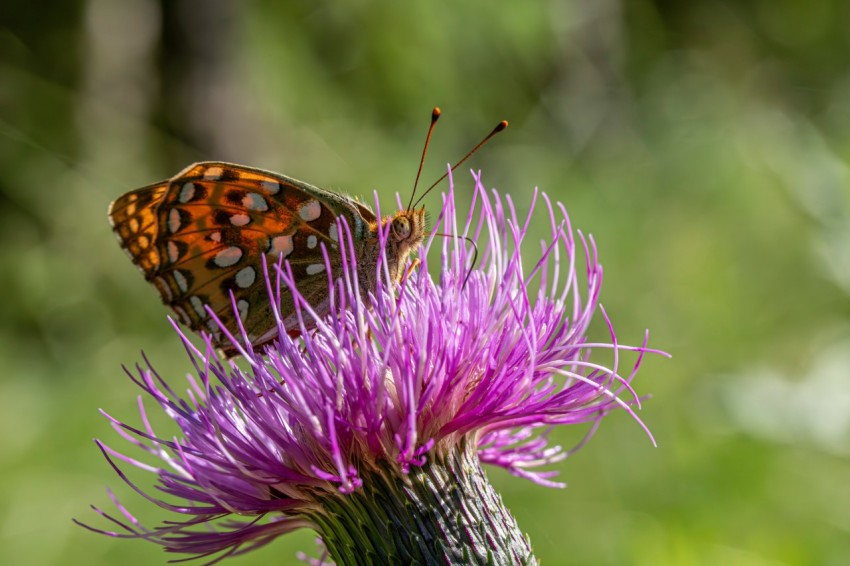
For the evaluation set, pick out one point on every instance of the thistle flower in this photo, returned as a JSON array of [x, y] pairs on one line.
[[370, 427]]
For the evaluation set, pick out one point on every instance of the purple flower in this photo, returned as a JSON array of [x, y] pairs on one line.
[[394, 397]]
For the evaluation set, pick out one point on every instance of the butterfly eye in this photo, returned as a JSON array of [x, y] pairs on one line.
[[401, 227]]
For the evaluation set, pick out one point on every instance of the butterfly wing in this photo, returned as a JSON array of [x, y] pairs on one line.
[[133, 218], [201, 236]]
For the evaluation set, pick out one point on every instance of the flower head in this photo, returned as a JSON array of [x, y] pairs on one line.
[[478, 364]]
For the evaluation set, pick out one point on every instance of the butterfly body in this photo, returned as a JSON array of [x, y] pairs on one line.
[[200, 237]]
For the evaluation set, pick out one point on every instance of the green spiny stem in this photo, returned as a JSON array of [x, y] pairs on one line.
[[445, 512]]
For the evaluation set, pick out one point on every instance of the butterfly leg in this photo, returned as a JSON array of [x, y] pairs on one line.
[[413, 265]]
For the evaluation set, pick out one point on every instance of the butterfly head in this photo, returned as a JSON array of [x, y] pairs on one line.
[[407, 230]]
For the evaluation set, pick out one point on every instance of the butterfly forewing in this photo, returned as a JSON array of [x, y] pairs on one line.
[[133, 218], [201, 236]]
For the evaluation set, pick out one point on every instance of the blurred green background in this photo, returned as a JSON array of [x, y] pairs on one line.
[[704, 144]]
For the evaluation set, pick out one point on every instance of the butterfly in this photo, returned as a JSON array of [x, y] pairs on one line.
[[200, 237]]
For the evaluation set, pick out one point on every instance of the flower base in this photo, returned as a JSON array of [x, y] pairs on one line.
[[444, 512]]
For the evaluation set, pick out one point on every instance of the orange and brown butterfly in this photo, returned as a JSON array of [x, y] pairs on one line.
[[202, 235]]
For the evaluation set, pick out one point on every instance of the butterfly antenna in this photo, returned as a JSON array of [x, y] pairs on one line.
[[501, 126], [435, 115]]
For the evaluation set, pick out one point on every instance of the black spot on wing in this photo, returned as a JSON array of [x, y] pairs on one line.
[[230, 175], [222, 217], [234, 196]]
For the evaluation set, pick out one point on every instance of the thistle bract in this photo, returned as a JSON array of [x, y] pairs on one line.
[[382, 410]]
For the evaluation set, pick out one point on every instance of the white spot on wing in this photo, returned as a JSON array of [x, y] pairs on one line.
[[281, 245], [173, 252], [333, 232], [315, 268], [213, 173], [181, 281], [198, 305], [273, 187], [310, 210], [173, 220], [255, 201], [240, 219], [215, 236], [246, 276], [228, 256], [164, 288], [312, 241], [242, 306], [187, 193], [358, 228], [182, 314]]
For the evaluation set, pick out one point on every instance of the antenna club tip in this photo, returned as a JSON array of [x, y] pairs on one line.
[[436, 113], [502, 125]]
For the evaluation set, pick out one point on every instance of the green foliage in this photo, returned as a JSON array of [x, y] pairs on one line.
[[704, 145]]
